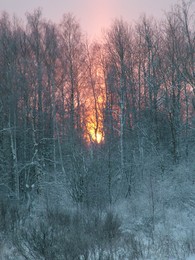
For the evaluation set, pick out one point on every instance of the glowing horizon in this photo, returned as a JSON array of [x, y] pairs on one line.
[[94, 131]]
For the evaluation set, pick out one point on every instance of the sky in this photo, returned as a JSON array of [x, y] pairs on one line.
[[93, 15]]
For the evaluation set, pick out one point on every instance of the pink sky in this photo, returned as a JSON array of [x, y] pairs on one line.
[[93, 15]]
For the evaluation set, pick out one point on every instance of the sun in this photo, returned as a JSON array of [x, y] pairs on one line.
[[95, 103], [99, 138], [94, 133], [96, 137]]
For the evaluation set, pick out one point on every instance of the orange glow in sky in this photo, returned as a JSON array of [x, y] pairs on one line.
[[94, 132]]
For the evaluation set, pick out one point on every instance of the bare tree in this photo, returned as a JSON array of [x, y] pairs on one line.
[[72, 52], [118, 44]]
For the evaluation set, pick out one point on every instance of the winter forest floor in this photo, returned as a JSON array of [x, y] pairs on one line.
[[155, 222]]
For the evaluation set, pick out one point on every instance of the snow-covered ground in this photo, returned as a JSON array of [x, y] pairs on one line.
[[192, 257]]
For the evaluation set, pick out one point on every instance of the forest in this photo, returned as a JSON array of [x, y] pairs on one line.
[[97, 138]]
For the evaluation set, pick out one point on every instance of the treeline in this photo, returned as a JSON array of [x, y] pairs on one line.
[[58, 93]]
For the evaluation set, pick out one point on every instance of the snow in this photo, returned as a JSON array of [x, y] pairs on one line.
[[192, 257]]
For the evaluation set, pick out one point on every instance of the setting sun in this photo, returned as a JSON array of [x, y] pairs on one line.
[[95, 133], [95, 99]]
